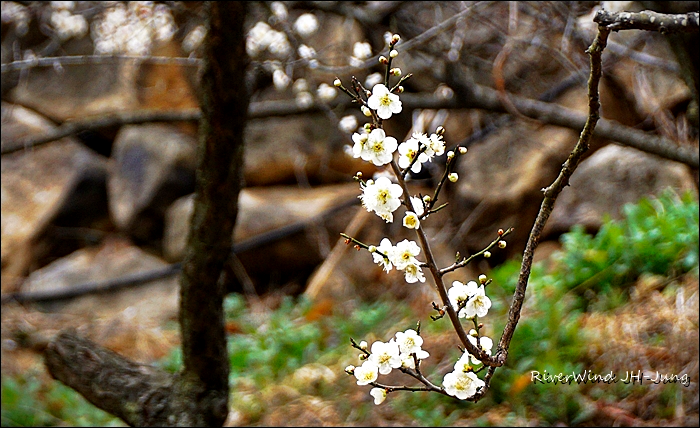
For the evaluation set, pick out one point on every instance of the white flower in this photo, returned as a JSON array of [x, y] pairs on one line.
[[279, 10], [306, 52], [379, 395], [486, 345], [258, 38], [407, 152], [360, 148], [381, 148], [300, 85], [385, 355], [382, 197], [411, 221], [409, 341], [373, 79], [348, 124], [461, 385], [413, 273], [279, 45], [362, 50], [436, 147], [384, 102], [462, 365], [326, 92], [381, 254], [405, 254], [366, 373], [478, 304], [408, 361], [458, 294], [306, 25], [280, 80], [304, 99], [418, 206]]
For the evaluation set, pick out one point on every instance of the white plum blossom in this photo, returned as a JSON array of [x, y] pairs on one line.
[[362, 50], [411, 220], [326, 92], [410, 342], [379, 395], [366, 373], [462, 385], [280, 80], [462, 365], [348, 124], [381, 148], [382, 252], [460, 293], [304, 99], [405, 253], [373, 79], [408, 151], [486, 345], [382, 197], [407, 361], [384, 102], [436, 146], [360, 148], [478, 304], [306, 25], [385, 355], [417, 204], [413, 273]]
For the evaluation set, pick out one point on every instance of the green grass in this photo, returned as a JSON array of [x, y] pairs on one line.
[[591, 274]]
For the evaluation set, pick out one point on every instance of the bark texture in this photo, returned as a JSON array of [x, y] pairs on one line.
[[142, 395]]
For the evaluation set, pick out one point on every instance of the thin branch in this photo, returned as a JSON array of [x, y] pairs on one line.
[[648, 20], [550, 193], [57, 61]]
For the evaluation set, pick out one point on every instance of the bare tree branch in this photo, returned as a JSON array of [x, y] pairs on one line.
[[550, 193], [648, 20]]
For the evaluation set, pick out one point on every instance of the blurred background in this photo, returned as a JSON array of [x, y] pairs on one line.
[[95, 219]]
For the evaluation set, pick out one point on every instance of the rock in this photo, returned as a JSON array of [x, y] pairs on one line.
[[609, 179], [298, 150], [152, 166], [156, 301], [40, 185], [275, 245]]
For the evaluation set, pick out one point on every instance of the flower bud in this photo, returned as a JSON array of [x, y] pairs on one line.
[[368, 127], [383, 60], [500, 232], [395, 72], [350, 369], [487, 254], [394, 53], [453, 177], [366, 111], [372, 248], [395, 39], [399, 89], [426, 199], [482, 278], [440, 130], [337, 83], [462, 150], [450, 154], [363, 357], [359, 174], [363, 345], [501, 244]]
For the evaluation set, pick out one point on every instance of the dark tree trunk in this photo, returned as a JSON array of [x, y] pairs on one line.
[[198, 395]]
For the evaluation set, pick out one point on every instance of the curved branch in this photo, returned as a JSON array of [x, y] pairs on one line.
[[551, 192]]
